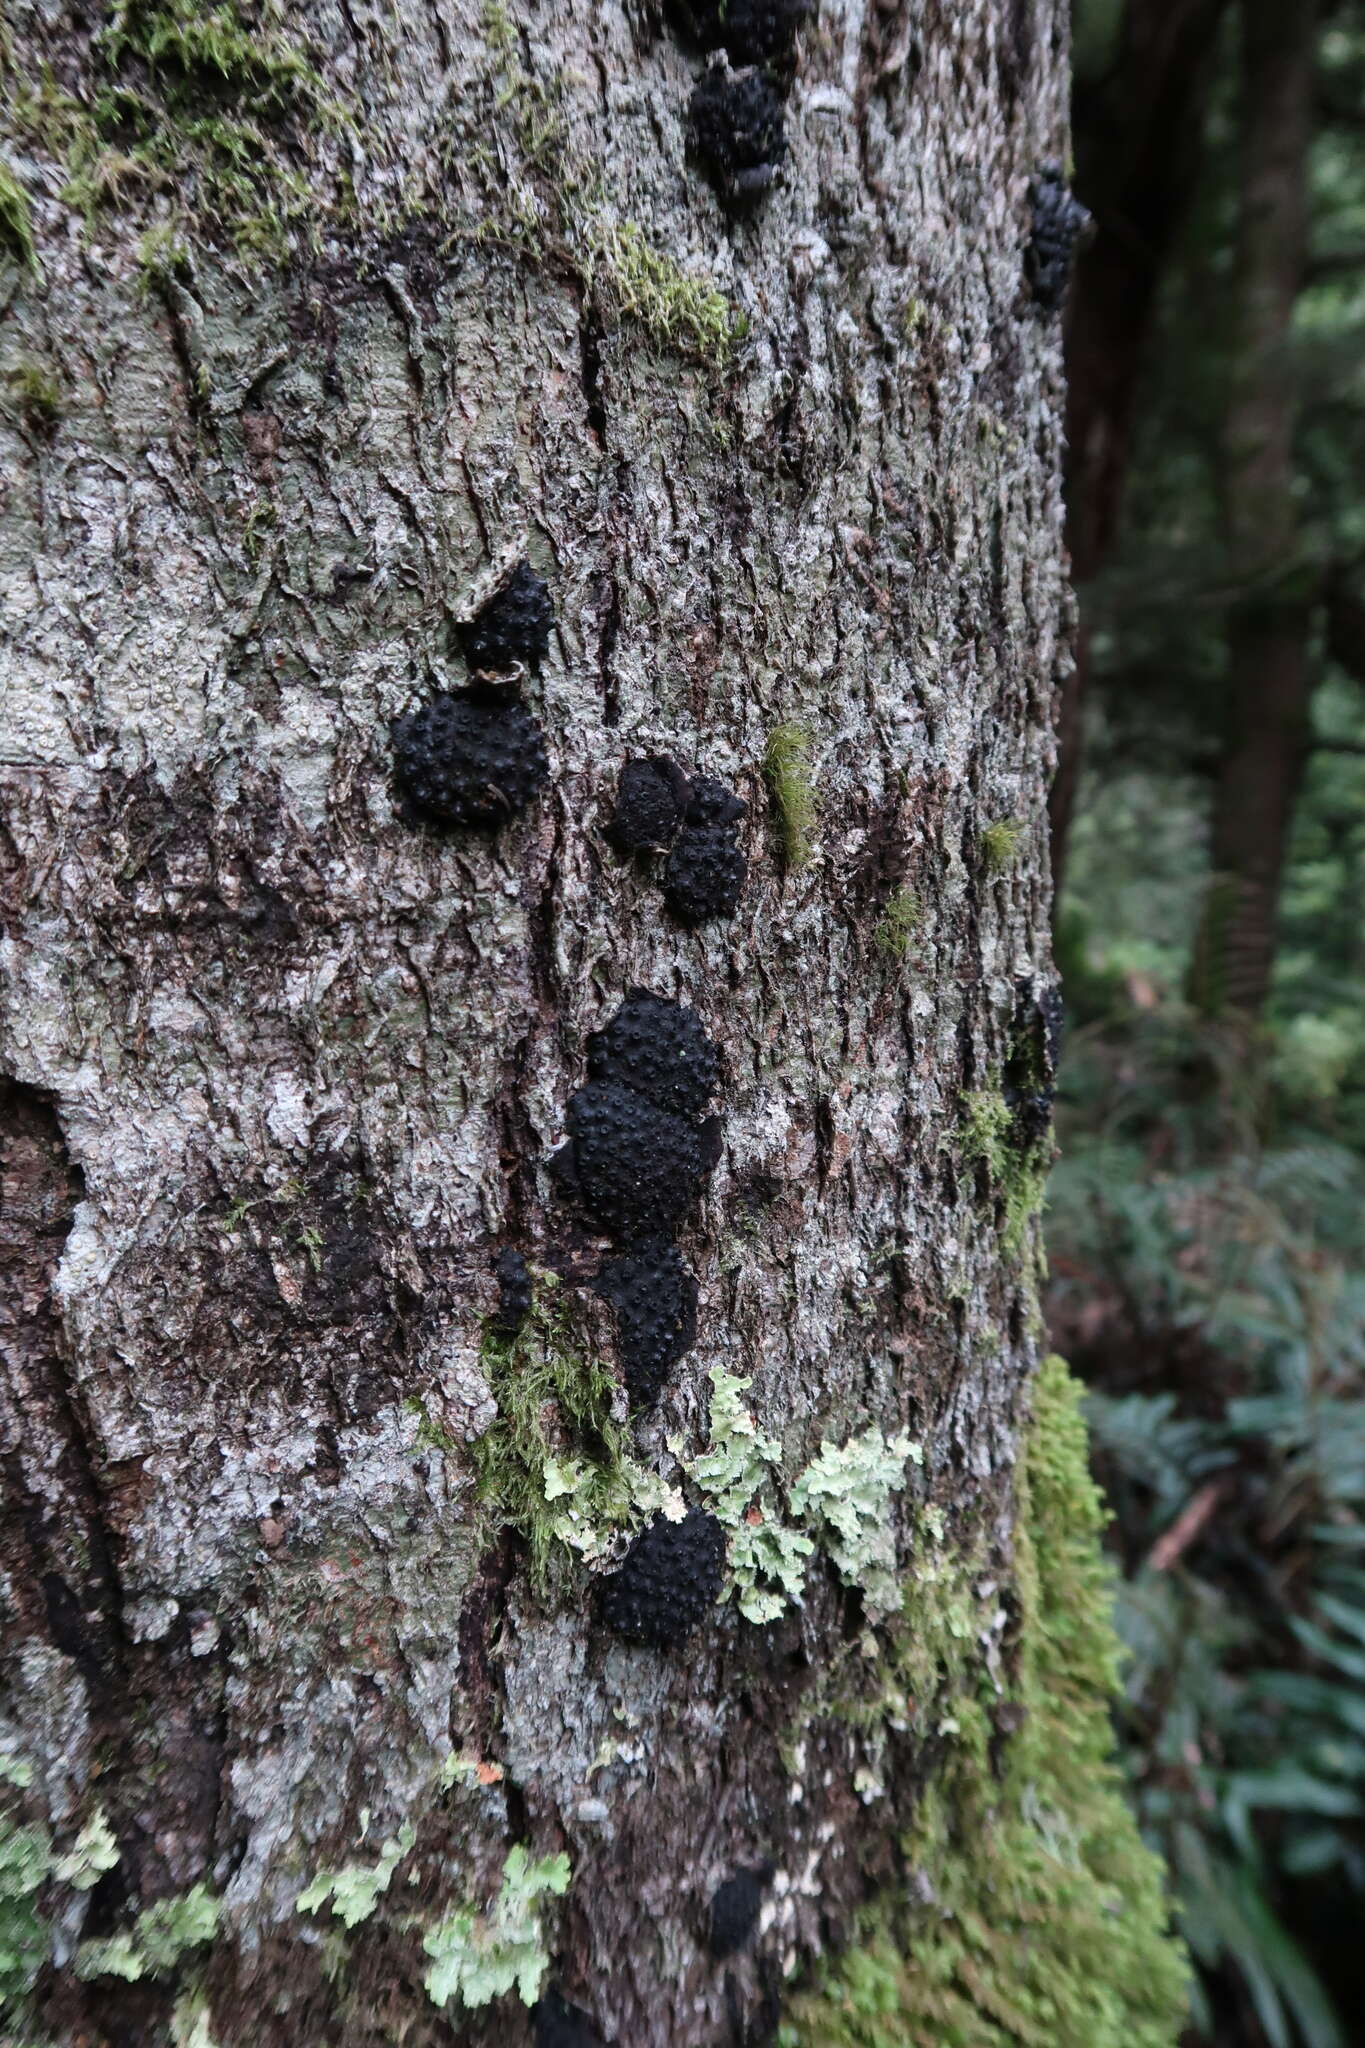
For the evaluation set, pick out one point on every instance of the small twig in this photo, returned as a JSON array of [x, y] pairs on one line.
[[1188, 1524]]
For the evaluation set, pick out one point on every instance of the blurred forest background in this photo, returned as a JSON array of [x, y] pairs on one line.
[[1206, 1227]]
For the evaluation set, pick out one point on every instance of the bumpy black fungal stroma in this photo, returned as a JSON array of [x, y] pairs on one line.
[[735, 1907], [650, 800], [659, 1048], [737, 130], [655, 1300], [671, 1577], [657, 807], [514, 1292], [561, 2025], [513, 629], [634, 1167], [749, 31], [1058, 222], [466, 762]]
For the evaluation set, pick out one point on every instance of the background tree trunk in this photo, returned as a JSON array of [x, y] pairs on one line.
[[1139, 130], [1271, 619], [367, 307]]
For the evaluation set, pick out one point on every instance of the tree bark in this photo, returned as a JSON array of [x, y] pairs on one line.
[[1139, 136], [1270, 620], [286, 1067]]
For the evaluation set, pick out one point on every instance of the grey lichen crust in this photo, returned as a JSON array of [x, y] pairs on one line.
[[345, 316]]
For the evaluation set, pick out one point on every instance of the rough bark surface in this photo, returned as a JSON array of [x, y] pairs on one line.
[[285, 1068]]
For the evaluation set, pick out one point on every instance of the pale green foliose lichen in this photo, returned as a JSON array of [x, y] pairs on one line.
[[845, 1493], [767, 1558], [481, 1955], [156, 1941], [353, 1891]]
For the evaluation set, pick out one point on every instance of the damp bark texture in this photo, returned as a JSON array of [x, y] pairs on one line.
[[284, 1065]]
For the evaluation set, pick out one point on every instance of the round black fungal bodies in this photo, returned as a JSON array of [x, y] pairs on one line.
[[706, 870], [513, 629], [658, 808], [749, 31], [634, 1167], [737, 131], [514, 1292], [466, 762], [1059, 221], [651, 797], [561, 2025], [735, 1907], [660, 1049], [1029, 1081], [654, 1297], [671, 1577]]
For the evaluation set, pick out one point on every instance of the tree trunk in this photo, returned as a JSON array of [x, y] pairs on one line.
[[1268, 631], [1139, 136], [310, 1682]]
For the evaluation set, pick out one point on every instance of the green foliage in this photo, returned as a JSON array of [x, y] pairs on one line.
[[1226, 1280], [478, 1956], [787, 768], [1042, 1922]]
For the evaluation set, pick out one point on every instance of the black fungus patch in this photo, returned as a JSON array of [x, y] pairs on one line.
[[735, 1907], [705, 874], [513, 628], [514, 1292], [656, 808], [561, 2025], [466, 762], [737, 131], [655, 1301], [651, 797], [706, 871], [1029, 1082], [660, 1049], [1059, 220], [749, 31], [670, 1578], [635, 1168]]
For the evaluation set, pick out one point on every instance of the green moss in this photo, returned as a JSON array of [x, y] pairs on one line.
[[680, 312], [1043, 1922], [1018, 1172], [32, 395], [1000, 844], [786, 767], [899, 922], [16, 220], [552, 1465]]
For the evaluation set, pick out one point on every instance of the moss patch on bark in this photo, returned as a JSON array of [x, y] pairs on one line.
[[1032, 1913]]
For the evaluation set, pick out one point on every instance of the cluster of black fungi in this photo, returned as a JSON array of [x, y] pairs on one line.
[[736, 125], [640, 1143]]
